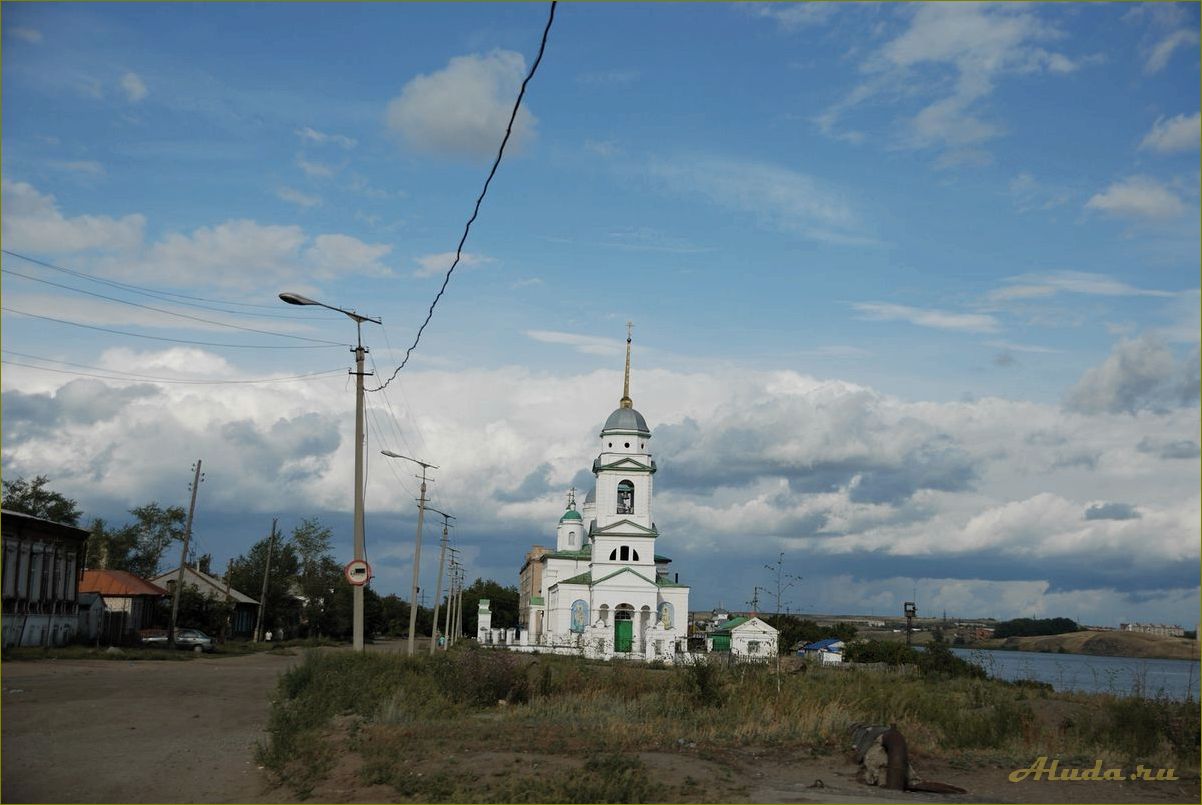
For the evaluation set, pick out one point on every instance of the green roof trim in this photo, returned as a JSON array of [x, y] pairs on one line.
[[583, 553], [617, 527], [619, 572], [536, 600], [584, 578], [570, 514], [659, 557], [665, 583], [731, 623]]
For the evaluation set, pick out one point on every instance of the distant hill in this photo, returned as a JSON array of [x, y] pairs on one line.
[[1105, 644]]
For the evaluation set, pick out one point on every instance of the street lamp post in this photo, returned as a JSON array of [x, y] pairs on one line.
[[360, 352], [417, 547]]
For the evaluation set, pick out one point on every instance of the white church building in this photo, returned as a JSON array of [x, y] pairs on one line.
[[604, 591]]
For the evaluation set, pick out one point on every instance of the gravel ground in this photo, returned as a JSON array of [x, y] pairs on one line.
[[120, 731]]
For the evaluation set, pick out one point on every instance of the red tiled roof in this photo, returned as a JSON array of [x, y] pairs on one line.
[[117, 582]]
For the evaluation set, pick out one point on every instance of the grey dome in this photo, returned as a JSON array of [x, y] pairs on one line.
[[591, 497], [628, 420]]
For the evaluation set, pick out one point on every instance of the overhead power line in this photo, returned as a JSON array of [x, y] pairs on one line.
[[157, 294], [131, 377], [168, 312], [476, 211], [8, 309]]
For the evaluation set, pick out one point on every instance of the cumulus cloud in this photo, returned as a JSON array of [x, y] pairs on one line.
[[134, 87], [925, 317], [846, 479], [33, 222], [462, 110], [1139, 197], [1138, 374], [1175, 134]]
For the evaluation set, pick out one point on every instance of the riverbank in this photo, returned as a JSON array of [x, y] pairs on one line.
[[490, 726], [1099, 644]]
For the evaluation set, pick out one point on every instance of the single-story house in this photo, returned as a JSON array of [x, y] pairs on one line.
[[42, 560], [829, 650], [744, 638], [129, 603], [242, 623]]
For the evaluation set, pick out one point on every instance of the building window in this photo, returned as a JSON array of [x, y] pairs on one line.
[[634, 555], [625, 497], [753, 647], [613, 555], [571, 538], [627, 445], [625, 554]]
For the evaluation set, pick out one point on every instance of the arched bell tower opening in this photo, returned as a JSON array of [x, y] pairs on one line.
[[625, 497]]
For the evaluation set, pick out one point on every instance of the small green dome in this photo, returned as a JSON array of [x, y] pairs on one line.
[[570, 514]]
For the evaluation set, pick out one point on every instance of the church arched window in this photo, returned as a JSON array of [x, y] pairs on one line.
[[634, 555], [572, 538], [613, 555], [625, 497], [625, 553]]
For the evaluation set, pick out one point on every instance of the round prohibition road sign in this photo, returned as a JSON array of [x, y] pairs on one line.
[[357, 572]]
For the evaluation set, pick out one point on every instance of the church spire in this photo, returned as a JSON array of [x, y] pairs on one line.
[[626, 402]]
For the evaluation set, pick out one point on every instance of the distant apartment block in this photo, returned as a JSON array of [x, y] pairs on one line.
[[1153, 628]]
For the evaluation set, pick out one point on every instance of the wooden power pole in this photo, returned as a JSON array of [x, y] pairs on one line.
[[183, 556], [263, 595]]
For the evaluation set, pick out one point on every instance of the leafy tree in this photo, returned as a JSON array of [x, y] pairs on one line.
[[1026, 627], [502, 600], [794, 630], [207, 612], [153, 531], [319, 575], [282, 608], [32, 497]]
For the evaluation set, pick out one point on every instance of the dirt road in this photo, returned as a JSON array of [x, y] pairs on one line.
[[119, 731]]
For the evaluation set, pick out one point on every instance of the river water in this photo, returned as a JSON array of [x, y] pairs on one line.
[[1176, 679]]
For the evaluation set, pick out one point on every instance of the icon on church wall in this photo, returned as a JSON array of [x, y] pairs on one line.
[[665, 614], [625, 498], [579, 615]]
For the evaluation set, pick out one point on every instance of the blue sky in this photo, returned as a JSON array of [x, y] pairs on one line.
[[915, 286]]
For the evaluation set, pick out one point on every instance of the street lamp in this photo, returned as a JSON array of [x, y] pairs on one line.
[[417, 547], [360, 352]]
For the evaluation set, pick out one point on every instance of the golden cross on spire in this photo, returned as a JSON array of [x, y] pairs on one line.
[[572, 498], [626, 402]]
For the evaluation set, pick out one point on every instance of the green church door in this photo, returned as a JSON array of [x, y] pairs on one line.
[[623, 635]]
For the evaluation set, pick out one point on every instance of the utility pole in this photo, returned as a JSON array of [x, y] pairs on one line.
[[417, 546], [459, 608], [263, 594], [450, 594], [755, 600], [183, 556], [229, 571], [442, 555]]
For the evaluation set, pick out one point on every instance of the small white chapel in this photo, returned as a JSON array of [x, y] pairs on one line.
[[603, 591]]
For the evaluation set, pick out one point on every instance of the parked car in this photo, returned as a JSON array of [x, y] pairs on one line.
[[184, 638]]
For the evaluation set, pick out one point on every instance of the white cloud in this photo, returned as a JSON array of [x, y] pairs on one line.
[[1160, 53], [294, 196], [134, 87], [777, 196], [32, 222], [340, 254], [85, 167], [970, 46], [587, 344], [1138, 374], [924, 317], [433, 265], [1030, 194], [31, 35], [1035, 286], [609, 77], [1177, 133], [314, 169], [321, 138], [791, 16], [463, 109], [1138, 197]]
